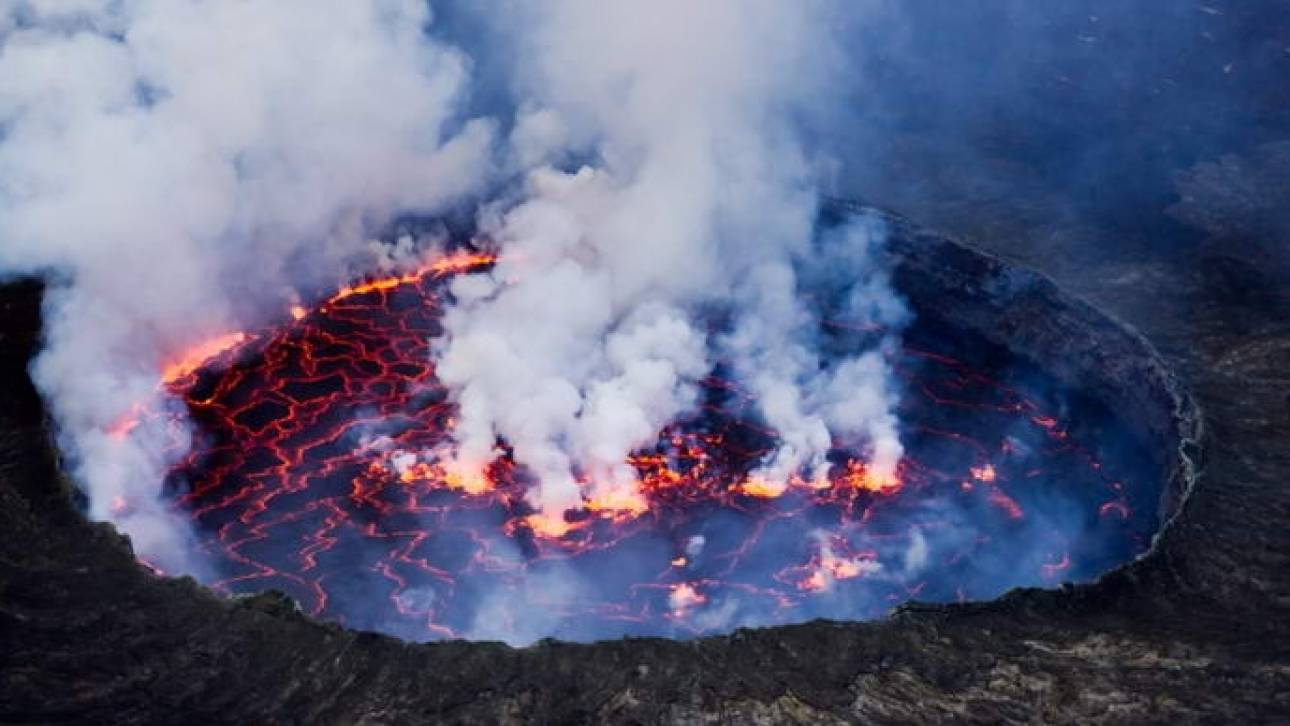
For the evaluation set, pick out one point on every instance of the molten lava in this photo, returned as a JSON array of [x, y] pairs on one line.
[[317, 467], [192, 359]]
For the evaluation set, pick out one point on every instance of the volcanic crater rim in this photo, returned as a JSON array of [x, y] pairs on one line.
[[916, 253], [1187, 420]]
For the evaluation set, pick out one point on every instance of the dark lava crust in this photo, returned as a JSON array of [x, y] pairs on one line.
[[1196, 630]]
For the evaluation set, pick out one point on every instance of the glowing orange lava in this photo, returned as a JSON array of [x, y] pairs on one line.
[[446, 265], [193, 358]]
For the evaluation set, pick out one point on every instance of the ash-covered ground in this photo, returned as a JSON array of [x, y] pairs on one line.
[[1182, 234]]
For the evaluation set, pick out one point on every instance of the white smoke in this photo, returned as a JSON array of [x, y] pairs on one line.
[[810, 399], [180, 166], [181, 169], [696, 191]]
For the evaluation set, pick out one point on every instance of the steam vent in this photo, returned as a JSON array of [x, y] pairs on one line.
[[375, 362]]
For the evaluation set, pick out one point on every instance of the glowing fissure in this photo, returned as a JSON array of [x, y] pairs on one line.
[[322, 465]]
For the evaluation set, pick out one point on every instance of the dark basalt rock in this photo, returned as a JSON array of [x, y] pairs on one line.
[[1196, 629]]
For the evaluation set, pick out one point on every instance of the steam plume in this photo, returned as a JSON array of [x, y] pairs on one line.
[[185, 169], [696, 192], [181, 167]]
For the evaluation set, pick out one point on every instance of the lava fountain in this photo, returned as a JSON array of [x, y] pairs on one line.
[[311, 471]]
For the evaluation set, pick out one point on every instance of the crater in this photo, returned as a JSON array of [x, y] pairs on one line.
[[1045, 443]]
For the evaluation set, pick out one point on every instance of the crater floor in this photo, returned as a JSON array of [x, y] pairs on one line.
[[315, 473]]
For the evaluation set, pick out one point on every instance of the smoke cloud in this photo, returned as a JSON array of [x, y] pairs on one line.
[[696, 191], [180, 170]]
